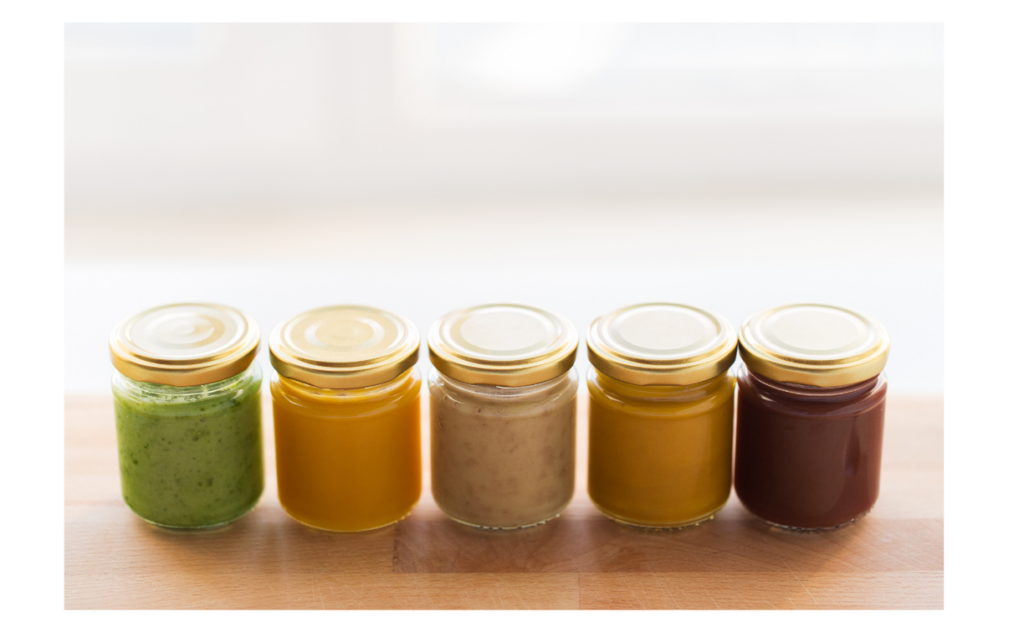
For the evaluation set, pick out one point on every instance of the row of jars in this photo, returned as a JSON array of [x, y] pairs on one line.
[[809, 415]]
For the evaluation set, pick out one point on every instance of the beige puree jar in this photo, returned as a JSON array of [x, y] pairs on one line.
[[502, 415]]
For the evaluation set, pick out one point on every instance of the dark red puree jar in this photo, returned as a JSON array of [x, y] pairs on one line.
[[810, 414]]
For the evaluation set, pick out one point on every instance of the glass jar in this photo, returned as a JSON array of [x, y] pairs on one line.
[[810, 415], [661, 412], [346, 398], [503, 415], [188, 415]]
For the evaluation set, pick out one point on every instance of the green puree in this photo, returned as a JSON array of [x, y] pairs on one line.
[[192, 460]]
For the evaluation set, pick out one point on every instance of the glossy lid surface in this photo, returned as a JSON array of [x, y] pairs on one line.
[[814, 344], [503, 345], [184, 344], [661, 344], [341, 347]]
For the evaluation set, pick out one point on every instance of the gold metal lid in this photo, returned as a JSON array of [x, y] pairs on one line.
[[503, 345], [661, 344], [343, 347], [184, 344], [814, 344]]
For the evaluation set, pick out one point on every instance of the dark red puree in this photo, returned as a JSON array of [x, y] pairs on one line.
[[808, 457]]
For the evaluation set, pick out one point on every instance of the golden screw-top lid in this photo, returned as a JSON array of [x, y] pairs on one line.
[[344, 347], [503, 345], [184, 344], [661, 344], [814, 344]]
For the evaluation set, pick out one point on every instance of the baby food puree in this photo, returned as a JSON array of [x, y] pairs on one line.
[[191, 460]]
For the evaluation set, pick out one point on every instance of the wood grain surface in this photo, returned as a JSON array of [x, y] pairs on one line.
[[892, 559]]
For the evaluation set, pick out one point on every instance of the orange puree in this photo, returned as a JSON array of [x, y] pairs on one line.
[[660, 456], [348, 459]]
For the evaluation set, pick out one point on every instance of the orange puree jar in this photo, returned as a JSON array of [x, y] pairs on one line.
[[661, 412], [346, 417]]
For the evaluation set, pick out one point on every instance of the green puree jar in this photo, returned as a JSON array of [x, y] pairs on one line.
[[187, 410]]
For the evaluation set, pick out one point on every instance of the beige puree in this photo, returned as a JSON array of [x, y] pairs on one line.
[[503, 457]]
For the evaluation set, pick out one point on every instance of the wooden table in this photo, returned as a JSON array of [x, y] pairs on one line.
[[893, 558]]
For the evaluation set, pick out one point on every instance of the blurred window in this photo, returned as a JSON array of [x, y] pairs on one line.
[[452, 72], [126, 43]]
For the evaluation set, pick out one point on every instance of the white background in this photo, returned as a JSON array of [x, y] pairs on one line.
[[579, 167]]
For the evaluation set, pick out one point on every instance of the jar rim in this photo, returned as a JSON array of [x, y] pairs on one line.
[[171, 394]]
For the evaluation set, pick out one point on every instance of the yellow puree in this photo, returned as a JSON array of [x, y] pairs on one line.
[[660, 456], [348, 460]]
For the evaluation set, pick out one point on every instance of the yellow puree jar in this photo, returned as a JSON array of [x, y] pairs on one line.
[[347, 417], [661, 412]]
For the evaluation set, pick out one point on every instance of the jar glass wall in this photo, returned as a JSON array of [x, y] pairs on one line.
[[348, 459], [503, 457], [809, 457], [660, 456], [190, 456]]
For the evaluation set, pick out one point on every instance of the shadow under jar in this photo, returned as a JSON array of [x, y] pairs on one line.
[[187, 412], [346, 398], [810, 415], [503, 415], [661, 414]]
